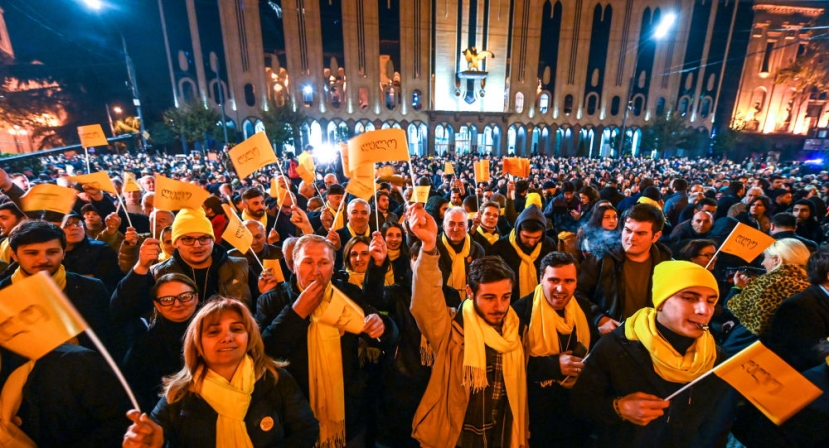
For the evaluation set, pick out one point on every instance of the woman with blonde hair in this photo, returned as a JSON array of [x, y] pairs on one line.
[[229, 392], [753, 302]]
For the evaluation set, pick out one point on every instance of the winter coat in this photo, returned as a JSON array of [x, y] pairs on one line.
[[798, 325]]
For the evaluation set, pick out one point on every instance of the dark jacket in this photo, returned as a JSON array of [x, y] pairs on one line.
[[798, 325], [811, 245], [611, 194], [601, 281], [504, 249], [683, 233], [552, 422], [445, 262], [285, 335], [725, 202], [270, 252], [91, 299], [618, 367], [96, 259], [675, 205], [71, 399], [191, 422]]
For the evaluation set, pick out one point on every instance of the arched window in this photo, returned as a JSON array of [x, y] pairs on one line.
[[519, 102], [362, 94], [568, 104], [592, 103], [250, 95], [543, 103], [417, 100], [705, 108], [615, 103]]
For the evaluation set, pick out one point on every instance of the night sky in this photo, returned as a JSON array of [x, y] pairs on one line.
[[74, 40]]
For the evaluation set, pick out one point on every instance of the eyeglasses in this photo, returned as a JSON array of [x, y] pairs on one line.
[[706, 255], [72, 223], [189, 240], [184, 297]]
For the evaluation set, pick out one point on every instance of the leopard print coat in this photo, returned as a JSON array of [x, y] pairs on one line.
[[756, 304]]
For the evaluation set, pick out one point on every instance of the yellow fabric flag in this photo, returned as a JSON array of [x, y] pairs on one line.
[[236, 233], [421, 193], [307, 160], [746, 242], [517, 166], [99, 180], [364, 171], [36, 317], [386, 145], [482, 171], [130, 184], [92, 135], [252, 154], [276, 268], [343, 313], [48, 197], [307, 176], [173, 195], [773, 386], [359, 188], [448, 168], [277, 191]]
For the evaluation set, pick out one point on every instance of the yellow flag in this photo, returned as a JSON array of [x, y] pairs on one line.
[[236, 233], [386, 145], [252, 154], [173, 195], [92, 135], [35, 316], [307, 160], [343, 313], [48, 197], [307, 176], [482, 171], [746, 242], [773, 386], [130, 183], [359, 188], [277, 191], [99, 180], [421, 193], [276, 268], [448, 168], [517, 166]]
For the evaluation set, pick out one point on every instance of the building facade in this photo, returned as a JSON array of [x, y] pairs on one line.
[[501, 76], [779, 35]]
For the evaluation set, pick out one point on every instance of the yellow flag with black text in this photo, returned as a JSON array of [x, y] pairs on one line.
[[98, 180], [385, 145], [173, 195], [36, 317], [252, 154], [275, 267], [49, 197], [773, 386], [92, 135], [130, 183], [746, 242], [421, 193], [236, 233], [482, 171]]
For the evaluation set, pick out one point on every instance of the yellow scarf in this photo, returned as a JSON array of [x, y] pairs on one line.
[[457, 277], [546, 325], [393, 254], [59, 276], [10, 400], [527, 274], [230, 399], [356, 278], [5, 251], [492, 238], [477, 335], [325, 377], [247, 217], [339, 222], [667, 362], [353, 233]]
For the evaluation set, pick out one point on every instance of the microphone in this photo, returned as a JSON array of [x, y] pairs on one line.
[[703, 327]]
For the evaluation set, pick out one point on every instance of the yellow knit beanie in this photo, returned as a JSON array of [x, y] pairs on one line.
[[534, 198], [190, 220], [670, 277]]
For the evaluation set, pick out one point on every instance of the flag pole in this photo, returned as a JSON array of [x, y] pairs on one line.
[[683, 388], [86, 151], [376, 210], [94, 338], [720, 248], [126, 213], [339, 209], [256, 258]]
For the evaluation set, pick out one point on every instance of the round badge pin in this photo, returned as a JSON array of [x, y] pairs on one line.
[[266, 424]]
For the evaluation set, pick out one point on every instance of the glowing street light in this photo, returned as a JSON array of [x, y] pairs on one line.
[[117, 110], [94, 4], [662, 29]]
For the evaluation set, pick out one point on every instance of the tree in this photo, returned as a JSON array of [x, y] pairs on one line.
[[808, 75], [192, 123], [282, 124], [665, 134]]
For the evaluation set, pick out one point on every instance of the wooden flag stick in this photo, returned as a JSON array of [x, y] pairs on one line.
[[94, 338], [256, 258], [121, 203], [683, 388], [339, 209], [376, 210]]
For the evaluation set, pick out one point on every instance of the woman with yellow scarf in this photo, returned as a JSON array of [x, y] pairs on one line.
[[229, 393], [651, 355]]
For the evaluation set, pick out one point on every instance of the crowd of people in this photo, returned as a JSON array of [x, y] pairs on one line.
[[559, 309]]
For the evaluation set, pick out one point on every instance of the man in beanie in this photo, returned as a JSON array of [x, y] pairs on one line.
[[524, 247], [656, 352], [195, 256]]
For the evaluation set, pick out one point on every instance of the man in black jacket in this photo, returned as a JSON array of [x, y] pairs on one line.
[[290, 333], [528, 238], [784, 225], [617, 282]]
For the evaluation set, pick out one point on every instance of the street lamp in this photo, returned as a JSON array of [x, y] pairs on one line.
[[97, 5], [660, 32]]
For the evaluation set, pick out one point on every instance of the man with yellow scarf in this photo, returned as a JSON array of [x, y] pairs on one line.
[[557, 333], [654, 353], [253, 201], [476, 395], [456, 249], [485, 226], [324, 357], [524, 248]]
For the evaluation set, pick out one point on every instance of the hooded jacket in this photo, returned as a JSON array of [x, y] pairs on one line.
[[510, 256]]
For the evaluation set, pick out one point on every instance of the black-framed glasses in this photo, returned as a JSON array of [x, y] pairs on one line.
[[189, 240], [184, 297]]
